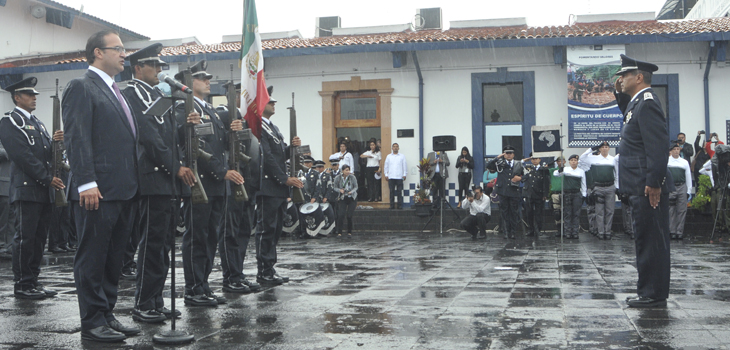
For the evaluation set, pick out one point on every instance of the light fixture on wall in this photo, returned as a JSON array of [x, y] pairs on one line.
[[38, 11]]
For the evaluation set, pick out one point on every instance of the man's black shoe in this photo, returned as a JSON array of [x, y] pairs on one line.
[[218, 298], [269, 280], [253, 286], [31, 293], [126, 330], [46, 291], [643, 302], [200, 300], [148, 316], [103, 334], [236, 287], [168, 313], [129, 274], [68, 248], [285, 279], [56, 250], [482, 235]]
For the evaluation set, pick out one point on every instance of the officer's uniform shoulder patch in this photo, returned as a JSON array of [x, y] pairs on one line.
[[648, 96]]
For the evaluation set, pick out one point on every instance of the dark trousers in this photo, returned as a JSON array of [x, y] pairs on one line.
[[234, 238], [509, 209], [475, 223], [651, 229], [571, 212], [269, 219], [31, 228], [7, 223], [371, 183], [131, 248], [396, 191], [103, 234], [464, 182], [438, 189], [533, 211], [156, 225], [61, 231], [200, 241], [346, 208]]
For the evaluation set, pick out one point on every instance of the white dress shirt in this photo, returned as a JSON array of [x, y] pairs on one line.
[[374, 161], [395, 166], [682, 163], [481, 205]]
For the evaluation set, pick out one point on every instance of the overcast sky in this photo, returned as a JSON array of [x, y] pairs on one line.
[[211, 19]]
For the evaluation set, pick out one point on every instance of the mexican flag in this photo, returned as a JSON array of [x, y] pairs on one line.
[[253, 85]]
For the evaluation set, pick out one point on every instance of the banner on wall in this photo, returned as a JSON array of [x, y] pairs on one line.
[[593, 115]]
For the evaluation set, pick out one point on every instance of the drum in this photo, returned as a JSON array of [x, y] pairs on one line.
[[329, 219], [313, 217], [291, 218]]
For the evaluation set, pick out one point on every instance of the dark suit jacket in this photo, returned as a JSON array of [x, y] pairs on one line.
[[273, 163], [643, 147], [30, 170], [159, 155], [99, 140], [505, 173], [213, 172]]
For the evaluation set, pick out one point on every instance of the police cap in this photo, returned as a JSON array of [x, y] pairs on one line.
[[26, 85], [149, 54], [629, 64]]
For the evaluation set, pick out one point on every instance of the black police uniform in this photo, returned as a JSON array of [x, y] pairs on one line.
[[508, 191], [536, 189], [29, 147], [237, 230], [158, 161], [643, 150]]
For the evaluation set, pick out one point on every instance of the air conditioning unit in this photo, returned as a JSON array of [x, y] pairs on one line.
[[324, 25], [430, 18]]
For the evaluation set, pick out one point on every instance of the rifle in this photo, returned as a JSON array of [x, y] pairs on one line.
[[297, 195], [58, 148], [236, 154], [192, 144]]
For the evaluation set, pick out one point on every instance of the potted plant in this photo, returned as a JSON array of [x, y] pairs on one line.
[[421, 202], [702, 197]]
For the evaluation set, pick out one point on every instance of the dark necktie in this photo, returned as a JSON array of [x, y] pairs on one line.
[[130, 119]]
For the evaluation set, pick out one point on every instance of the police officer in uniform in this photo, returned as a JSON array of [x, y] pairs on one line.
[[271, 200], [159, 158], [509, 174], [29, 147], [200, 239], [535, 192], [237, 229], [643, 176]]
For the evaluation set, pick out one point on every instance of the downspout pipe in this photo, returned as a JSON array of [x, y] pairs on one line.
[[420, 105], [706, 82]]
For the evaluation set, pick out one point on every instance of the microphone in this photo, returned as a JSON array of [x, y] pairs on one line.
[[174, 83]]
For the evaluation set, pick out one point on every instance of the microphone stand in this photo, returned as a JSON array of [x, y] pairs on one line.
[[173, 336]]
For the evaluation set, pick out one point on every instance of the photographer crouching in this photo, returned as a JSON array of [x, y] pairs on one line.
[[480, 211], [509, 175]]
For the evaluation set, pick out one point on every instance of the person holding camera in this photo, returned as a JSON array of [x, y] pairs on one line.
[[509, 175], [465, 166], [712, 143], [604, 173], [686, 151], [683, 185], [574, 189], [480, 211], [438, 172], [700, 159], [535, 192]]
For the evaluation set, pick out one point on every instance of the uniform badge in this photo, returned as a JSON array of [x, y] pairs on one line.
[[648, 96], [205, 116], [29, 127], [628, 117]]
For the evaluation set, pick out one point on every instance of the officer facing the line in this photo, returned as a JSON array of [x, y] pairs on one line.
[[29, 147]]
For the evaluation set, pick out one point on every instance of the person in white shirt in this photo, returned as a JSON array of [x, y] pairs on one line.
[[373, 166], [480, 211], [604, 170], [345, 157], [682, 176], [574, 187], [395, 171]]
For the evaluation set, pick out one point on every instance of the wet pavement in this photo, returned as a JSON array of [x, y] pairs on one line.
[[405, 290]]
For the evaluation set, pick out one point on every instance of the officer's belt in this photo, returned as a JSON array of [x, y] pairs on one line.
[[680, 183], [603, 184], [572, 191]]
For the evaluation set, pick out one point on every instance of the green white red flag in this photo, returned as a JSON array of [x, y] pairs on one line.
[[253, 85]]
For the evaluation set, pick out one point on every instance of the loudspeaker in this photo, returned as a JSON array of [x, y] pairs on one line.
[[444, 143]]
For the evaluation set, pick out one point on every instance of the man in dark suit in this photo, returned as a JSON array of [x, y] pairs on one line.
[[509, 174], [101, 141], [200, 239], [643, 176], [236, 232], [438, 172], [159, 158], [29, 147], [271, 199]]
